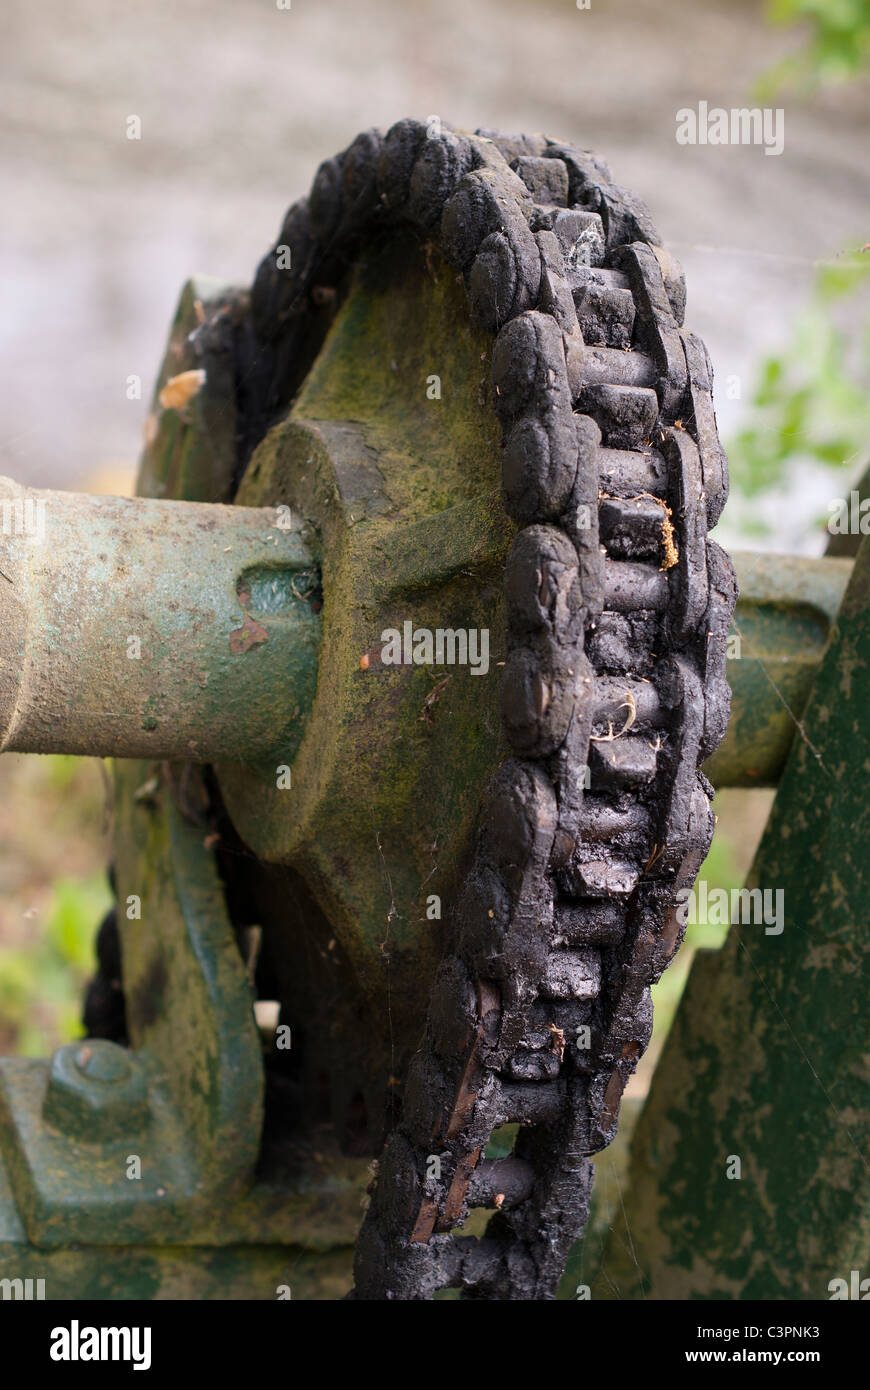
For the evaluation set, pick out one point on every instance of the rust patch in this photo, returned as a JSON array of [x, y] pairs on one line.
[[616, 1085], [425, 1223], [458, 1188], [250, 634], [431, 700], [672, 555], [612, 1097], [670, 933], [466, 1091], [182, 388], [557, 1040]]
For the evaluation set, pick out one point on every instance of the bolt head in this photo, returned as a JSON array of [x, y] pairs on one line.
[[101, 1061], [96, 1091]]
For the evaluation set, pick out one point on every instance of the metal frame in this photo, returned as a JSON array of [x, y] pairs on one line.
[[200, 1219]]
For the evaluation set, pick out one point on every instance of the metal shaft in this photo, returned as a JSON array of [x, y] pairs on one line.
[[132, 627], [781, 627], [141, 628]]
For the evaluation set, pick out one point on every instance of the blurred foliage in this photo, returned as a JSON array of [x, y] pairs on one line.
[[42, 986], [53, 895], [837, 46], [812, 401], [501, 1143], [719, 870]]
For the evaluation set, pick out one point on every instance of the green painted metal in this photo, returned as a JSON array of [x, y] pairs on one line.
[[222, 598], [402, 491], [398, 486], [296, 1235], [240, 1229], [218, 606], [95, 1090], [152, 628], [184, 1272], [192, 1111], [780, 630], [191, 452], [71, 1204], [767, 1059]]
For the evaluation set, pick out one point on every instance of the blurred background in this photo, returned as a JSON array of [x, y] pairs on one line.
[[239, 101]]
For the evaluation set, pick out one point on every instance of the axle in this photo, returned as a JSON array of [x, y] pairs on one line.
[[136, 627], [133, 627]]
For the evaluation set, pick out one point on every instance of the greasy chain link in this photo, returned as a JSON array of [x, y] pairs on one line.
[[613, 693]]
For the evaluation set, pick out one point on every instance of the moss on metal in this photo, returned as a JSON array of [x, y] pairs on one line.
[[401, 484], [401, 487], [780, 630], [767, 1061]]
